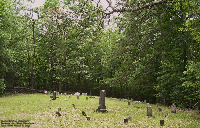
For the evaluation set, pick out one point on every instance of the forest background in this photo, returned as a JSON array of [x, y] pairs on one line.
[[142, 49]]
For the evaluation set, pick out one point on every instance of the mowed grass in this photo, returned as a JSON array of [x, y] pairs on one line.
[[40, 110]]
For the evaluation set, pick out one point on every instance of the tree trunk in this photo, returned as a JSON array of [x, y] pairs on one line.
[[79, 77], [32, 73], [29, 65]]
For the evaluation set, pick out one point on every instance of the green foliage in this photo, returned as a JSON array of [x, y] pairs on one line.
[[142, 54], [2, 85], [192, 80]]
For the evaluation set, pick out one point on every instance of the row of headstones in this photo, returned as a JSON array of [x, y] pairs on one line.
[[102, 107], [57, 93], [149, 109], [173, 106]]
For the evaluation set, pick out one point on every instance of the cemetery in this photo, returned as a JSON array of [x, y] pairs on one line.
[[45, 110], [100, 63]]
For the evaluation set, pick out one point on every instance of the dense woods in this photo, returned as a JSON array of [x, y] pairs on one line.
[[142, 49]]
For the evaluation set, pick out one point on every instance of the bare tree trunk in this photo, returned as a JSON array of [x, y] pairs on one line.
[[61, 75], [79, 77], [32, 73], [29, 65]]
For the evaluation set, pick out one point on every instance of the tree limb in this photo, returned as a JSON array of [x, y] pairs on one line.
[[150, 4]]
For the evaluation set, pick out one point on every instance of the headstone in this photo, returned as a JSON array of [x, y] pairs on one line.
[[73, 105], [136, 102], [149, 111], [124, 100], [77, 97], [125, 120], [129, 118], [59, 109], [69, 96], [145, 101], [157, 104], [161, 122], [84, 94], [131, 100], [110, 98], [65, 94], [83, 113], [54, 96], [173, 108], [86, 98], [129, 103], [147, 104], [119, 99], [77, 94], [102, 107], [65, 99], [160, 109], [58, 113], [60, 93], [88, 117], [45, 92]]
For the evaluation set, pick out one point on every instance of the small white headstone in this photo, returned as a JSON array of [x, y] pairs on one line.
[[77, 94]]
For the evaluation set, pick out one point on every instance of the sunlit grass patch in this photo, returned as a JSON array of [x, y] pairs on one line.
[[39, 109]]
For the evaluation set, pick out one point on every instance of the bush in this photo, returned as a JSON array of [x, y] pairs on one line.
[[2, 85]]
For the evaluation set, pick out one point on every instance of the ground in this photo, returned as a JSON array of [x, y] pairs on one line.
[[40, 110]]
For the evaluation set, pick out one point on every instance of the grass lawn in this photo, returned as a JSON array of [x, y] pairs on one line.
[[40, 110]]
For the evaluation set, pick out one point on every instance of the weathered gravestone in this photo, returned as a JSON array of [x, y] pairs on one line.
[[173, 108], [88, 117], [156, 104], [149, 111], [159, 109], [125, 120], [65, 94], [86, 98], [54, 96], [77, 97], [129, 103], [84, 94], [145, 101], [69, 96], [102, 107], [131, 100], [110, 98], [59, 109], [161, 122]]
